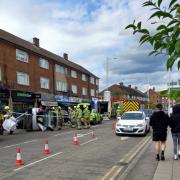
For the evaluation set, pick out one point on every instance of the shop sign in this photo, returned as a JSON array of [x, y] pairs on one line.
[[20, 94], [23, 94], [47, 97], [36, 96], [49, 103], [62, 98]]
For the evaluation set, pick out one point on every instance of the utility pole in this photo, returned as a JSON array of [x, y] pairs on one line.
[[107, 72]]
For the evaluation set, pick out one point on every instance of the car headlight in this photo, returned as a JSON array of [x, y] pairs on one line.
[[140, 125]]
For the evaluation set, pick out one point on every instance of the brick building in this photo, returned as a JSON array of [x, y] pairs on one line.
[[29, 73]]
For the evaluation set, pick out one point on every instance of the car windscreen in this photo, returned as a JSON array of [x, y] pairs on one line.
[[132, 116]]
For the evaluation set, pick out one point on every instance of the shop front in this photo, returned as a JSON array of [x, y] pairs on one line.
[[4, 96], [22, 100]]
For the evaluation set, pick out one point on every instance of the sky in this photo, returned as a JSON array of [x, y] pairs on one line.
[[93, 34]]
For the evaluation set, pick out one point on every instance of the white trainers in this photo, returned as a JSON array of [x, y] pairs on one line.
[[175, 157]]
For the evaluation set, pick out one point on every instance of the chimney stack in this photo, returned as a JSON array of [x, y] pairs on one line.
[[36, 41], [136, 88], [129, 86], [121, 83], [65, 55], [153, 88]]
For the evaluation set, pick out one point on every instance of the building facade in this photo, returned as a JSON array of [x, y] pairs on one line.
[[29, 73]]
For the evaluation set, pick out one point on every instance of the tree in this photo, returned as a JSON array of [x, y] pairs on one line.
[[166, 39]]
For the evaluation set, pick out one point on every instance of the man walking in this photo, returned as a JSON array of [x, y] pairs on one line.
[[159, 122]]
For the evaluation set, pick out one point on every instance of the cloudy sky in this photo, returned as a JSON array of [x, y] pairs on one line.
[[92, 33]]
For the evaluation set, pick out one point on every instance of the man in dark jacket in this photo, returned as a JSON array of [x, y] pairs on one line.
[[175, 130], [159, 122]]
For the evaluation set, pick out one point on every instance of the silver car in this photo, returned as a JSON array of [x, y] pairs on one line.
[[133, 122]]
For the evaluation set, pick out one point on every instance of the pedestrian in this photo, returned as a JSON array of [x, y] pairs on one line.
[[175, 130], [159, 122]]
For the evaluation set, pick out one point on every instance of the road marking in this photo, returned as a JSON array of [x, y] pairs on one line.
[[81, 135], [59, 134], [26, 142], [124, 138], [115, 170], [88, 141], [37, 161]]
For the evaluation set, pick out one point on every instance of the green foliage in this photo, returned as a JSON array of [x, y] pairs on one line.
[[166, 39]]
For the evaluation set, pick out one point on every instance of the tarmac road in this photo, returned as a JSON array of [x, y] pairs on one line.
[[104, 156]]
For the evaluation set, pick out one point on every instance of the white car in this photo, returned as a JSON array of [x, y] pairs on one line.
[[133, 122]]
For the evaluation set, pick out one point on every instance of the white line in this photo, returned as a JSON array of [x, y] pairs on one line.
[[81, 135], [26, 142], [89, 141], [63, 133], [37, 161]]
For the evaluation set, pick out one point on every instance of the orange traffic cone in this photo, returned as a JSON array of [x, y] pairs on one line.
[[75, 139], [113, 126], [93, 134], [46, 148], [19, 161]]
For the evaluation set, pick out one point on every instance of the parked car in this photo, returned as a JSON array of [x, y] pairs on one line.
[[133, 122]]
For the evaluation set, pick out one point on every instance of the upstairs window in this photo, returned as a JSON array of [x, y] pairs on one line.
[[73, 74], [92, 92], [22, 56], [60, 69], [44, 82], [84, 78], [84, 91], [43, 63], [92, 80], [97, 82], [22, 78], [61, 86], [74, 89]]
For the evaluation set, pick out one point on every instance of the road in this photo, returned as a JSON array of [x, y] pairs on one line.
[[105, 156]]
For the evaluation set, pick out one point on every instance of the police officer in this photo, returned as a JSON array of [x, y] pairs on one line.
[[79, 117], [86, 117]]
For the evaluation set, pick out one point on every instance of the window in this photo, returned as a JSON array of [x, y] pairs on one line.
[[44, 63], [44, 82], [84, 78], [92, 80], [97, 92], [92, 92], [61, 86], [97, 81], [60, 69], [74, 89], [73, 74], [22, 78], [22, 56], [84, 91], [0, 74]]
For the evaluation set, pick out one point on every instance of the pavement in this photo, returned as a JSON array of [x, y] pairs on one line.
[[168, 169], [146, 167]]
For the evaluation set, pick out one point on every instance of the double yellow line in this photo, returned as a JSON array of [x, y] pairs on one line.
[[116, 169]]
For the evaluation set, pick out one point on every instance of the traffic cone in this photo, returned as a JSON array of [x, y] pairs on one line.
[[93, 134], [19, 161], [113, 126], [75, 139], [46, 148]]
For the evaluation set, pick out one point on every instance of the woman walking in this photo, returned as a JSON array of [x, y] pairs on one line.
[[175, 130], [159, 122]]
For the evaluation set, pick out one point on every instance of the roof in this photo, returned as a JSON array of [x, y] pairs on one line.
[[8, 37], [125, 90]]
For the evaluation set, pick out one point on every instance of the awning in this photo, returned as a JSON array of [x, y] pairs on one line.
[[49, 103]]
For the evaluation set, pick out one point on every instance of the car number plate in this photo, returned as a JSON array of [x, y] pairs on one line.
[[128, 129]]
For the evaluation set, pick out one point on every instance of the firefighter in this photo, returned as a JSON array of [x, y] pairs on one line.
[[71, 115], [8, 112], [118, 111], [1, 122], [79, 117], [86, 117], [59, 119]]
